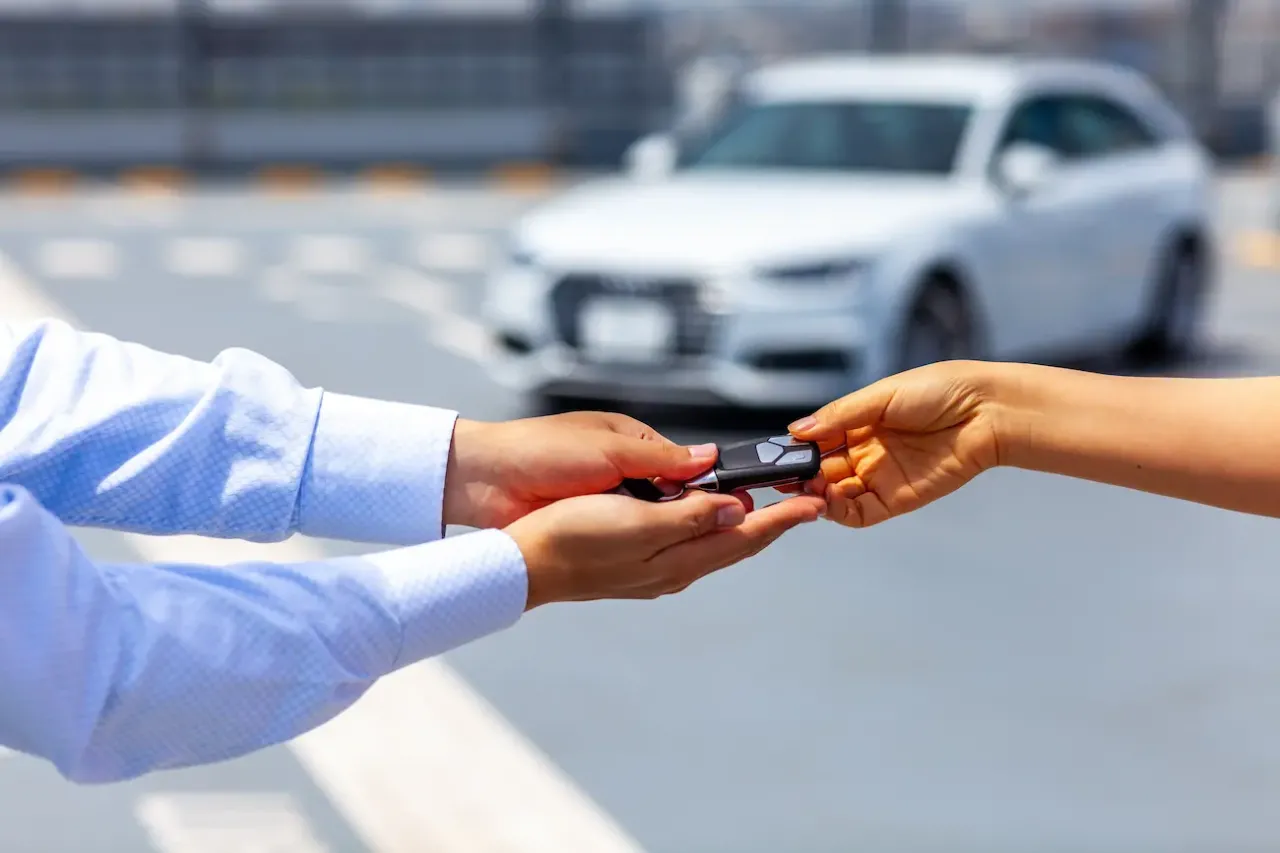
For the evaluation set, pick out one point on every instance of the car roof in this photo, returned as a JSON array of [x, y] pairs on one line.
[[971, 79]]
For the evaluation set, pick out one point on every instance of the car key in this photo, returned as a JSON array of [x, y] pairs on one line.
[[759, 463]]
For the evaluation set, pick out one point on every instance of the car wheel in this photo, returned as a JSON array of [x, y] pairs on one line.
[[938, 327], [1173, 326]]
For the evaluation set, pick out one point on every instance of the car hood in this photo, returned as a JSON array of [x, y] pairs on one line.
[[729, 221]]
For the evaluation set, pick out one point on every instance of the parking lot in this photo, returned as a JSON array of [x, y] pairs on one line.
[[1035, 665]]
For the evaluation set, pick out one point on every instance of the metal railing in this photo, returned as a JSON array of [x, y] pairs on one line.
[[224, 86]]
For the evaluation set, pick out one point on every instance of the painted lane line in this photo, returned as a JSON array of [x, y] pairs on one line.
[[77, 259], [218, 823], [513, 800], [458, 253], [332, 254], [203, 257], [433, 299], [1260, 249], [421, 730]]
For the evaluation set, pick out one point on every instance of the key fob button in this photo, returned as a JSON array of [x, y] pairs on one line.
[[797, 457], [768, 452], [785, 440]]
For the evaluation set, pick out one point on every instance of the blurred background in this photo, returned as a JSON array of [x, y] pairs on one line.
[[1038, 665], [224, 83]]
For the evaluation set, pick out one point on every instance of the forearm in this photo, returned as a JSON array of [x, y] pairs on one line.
[[111, 672], [1212, 441], [111, 434]]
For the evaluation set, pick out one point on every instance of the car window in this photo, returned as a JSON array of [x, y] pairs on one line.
[[1038, 121], [1097, 127], [843, 136], [1077, 127]]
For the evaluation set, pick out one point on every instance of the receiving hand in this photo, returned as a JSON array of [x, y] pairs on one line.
[[611, 546], [500, 472], [909, 439]]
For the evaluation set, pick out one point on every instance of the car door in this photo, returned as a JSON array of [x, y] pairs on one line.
[[1034, 243], [1118, 166]]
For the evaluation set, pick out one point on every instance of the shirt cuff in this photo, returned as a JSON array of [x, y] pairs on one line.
[[376, 471], [452, 592]]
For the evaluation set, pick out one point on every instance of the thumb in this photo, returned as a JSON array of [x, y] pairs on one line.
[[862, 408], [690, 517], [648, 458]]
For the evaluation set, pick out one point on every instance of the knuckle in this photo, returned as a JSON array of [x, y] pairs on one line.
[[700, 516]]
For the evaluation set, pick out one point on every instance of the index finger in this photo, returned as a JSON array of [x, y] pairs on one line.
[[863, 408]]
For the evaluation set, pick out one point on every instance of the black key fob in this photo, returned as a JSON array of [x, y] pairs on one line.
[[756, 464], [763, 462]]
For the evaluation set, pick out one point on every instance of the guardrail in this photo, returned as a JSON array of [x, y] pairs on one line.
[[220, 91]]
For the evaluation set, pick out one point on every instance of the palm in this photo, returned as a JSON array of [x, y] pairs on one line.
[[929, 441], [902, 471]]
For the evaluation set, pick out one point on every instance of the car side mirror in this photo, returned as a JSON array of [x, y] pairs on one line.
[[651, 157], [1024, 169]]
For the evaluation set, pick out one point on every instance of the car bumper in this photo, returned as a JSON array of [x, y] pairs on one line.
[[765, 350]]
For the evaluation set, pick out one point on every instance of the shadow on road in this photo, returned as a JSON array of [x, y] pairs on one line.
[[1217, 359]]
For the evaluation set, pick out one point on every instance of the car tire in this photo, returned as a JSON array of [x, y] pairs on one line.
[[939, 326], [1172, 330]]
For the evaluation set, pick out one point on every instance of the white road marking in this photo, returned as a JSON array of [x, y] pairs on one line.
[[217, 823], [313, 299], [77, 259], [331, 254], [419, 763], [433, 299], [460, 252], [203, 257]]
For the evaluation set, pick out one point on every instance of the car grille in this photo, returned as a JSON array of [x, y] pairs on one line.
[[694, 325]]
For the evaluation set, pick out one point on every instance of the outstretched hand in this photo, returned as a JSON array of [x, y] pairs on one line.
[[902, 442]]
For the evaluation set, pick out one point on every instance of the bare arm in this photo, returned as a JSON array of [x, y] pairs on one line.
[[1212, 441], [915, 437]]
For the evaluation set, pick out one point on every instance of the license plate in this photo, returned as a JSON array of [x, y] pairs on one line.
[[626, 330]]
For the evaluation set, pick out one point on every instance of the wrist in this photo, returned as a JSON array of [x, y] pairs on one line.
[[463, 483], [1015, 403], [544, 584]]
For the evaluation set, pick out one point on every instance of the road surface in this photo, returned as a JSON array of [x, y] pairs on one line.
[[1037, 665]]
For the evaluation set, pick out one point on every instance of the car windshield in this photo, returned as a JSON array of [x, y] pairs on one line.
[[872, 136]]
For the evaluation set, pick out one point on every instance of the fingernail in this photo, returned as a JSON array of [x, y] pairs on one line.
[[731, 516], [702, 451], [822, 511], [804, 424]]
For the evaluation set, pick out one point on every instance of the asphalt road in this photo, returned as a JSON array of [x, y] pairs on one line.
[[1036, 665]]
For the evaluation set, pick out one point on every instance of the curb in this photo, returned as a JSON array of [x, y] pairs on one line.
[[281, 178]]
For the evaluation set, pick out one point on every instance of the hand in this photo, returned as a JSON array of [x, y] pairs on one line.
[[500, 472], [611, 546], [910, 439]]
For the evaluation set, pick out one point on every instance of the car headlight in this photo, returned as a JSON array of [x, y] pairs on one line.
[[815, 272]]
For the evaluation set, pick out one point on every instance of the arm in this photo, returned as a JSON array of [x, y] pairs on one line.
[[117, 435], [1212, 441], [113, 671], [917, 436]]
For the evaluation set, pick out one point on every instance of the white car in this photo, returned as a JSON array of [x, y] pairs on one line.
[[859, 216]]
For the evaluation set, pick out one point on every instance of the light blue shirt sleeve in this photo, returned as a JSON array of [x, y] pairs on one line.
[[112, 434], [113, 671]]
